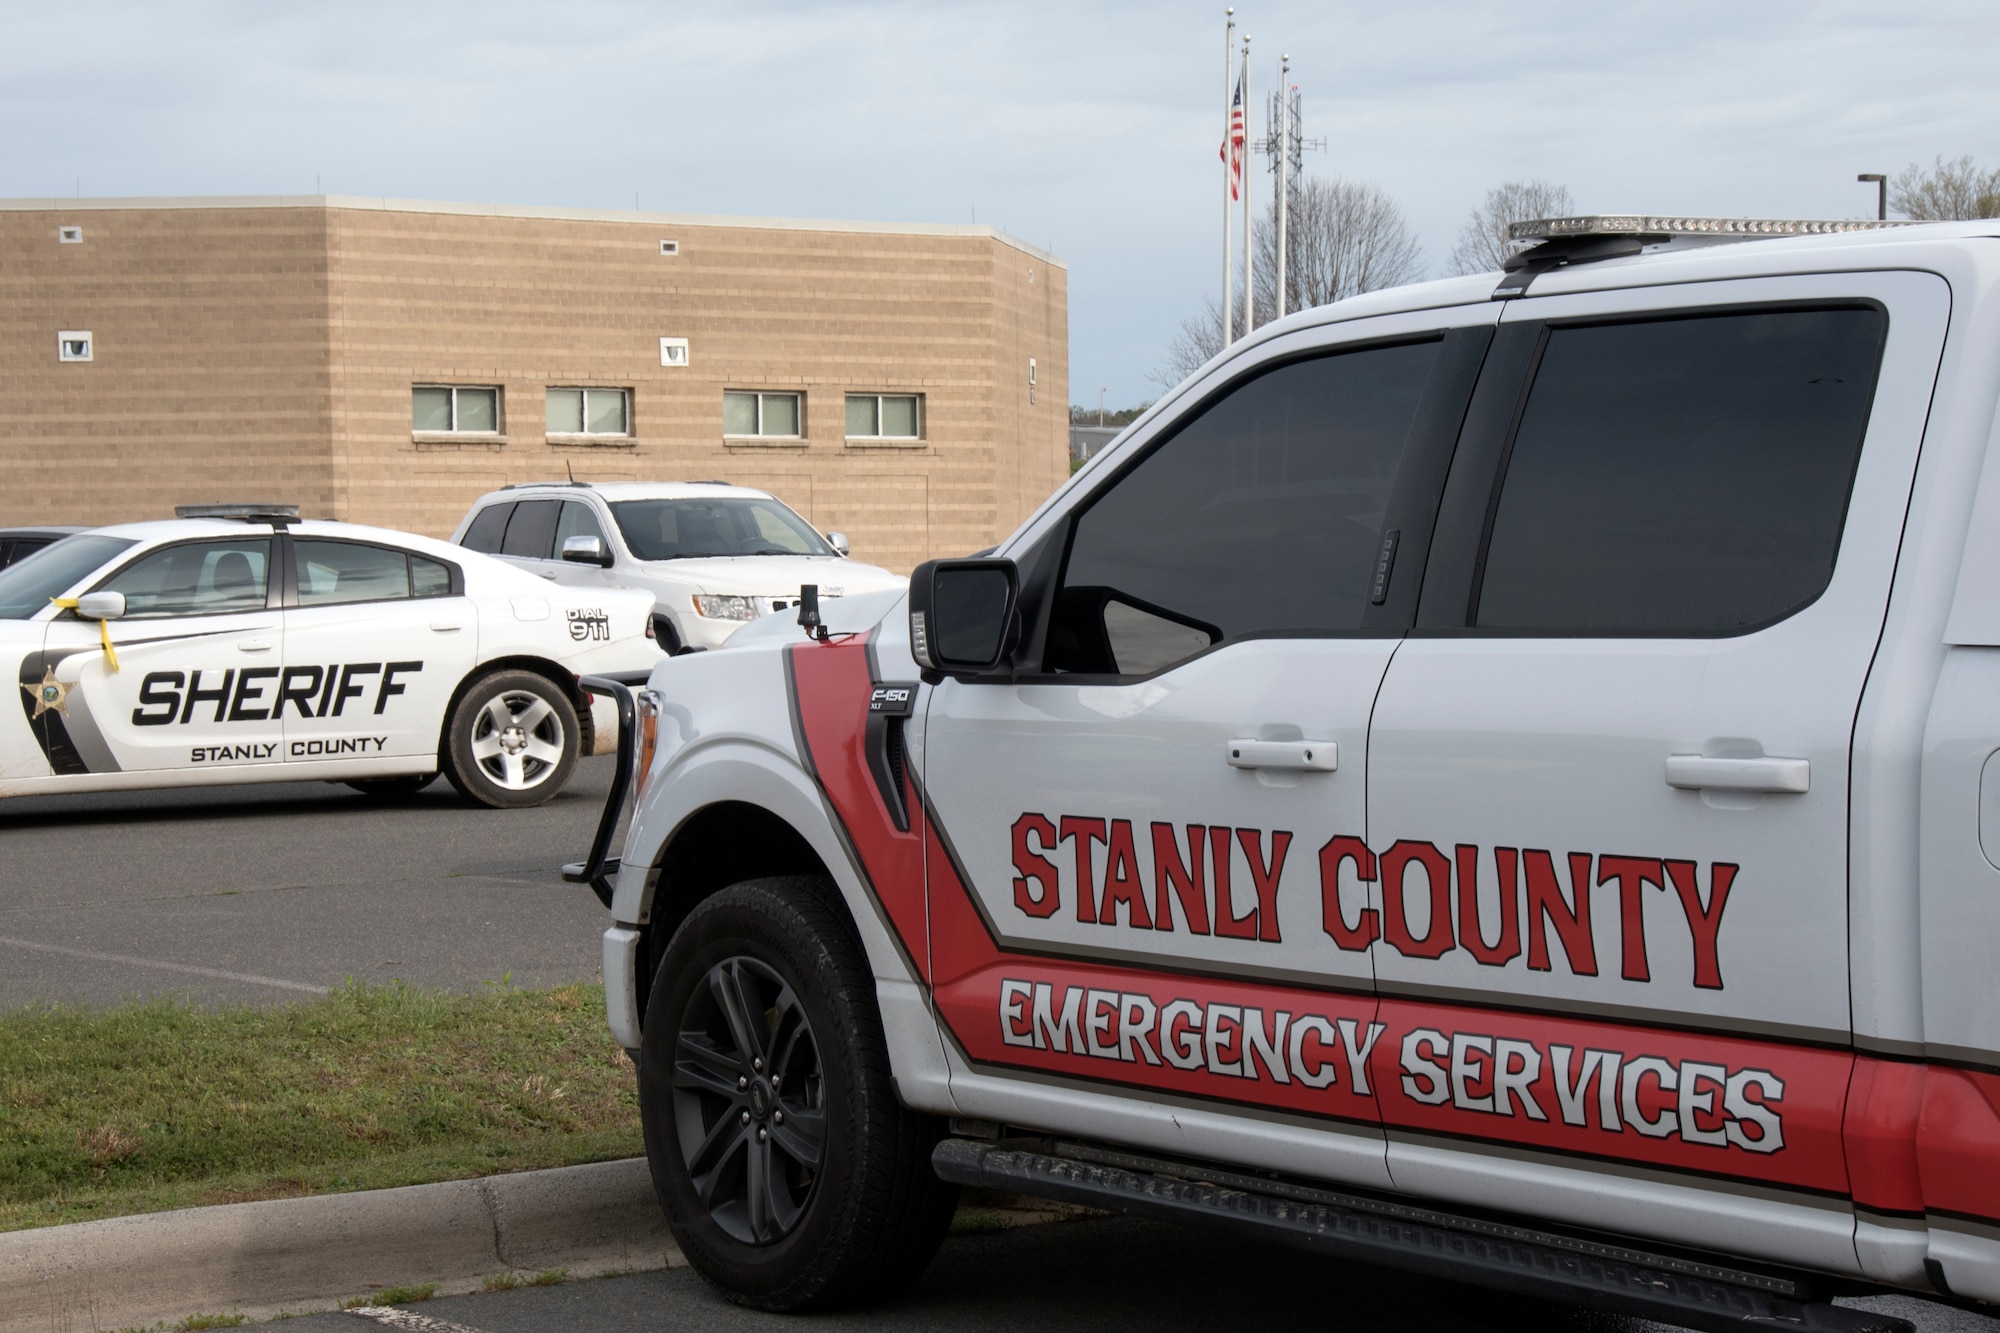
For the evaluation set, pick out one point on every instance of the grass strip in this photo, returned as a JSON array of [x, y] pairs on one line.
[[162, 1104]]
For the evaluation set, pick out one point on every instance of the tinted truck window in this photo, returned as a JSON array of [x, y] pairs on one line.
[[1263, 514], [1681, 476]]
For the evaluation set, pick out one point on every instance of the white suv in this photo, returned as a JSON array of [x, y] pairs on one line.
[[1499, 777], [714, 556]]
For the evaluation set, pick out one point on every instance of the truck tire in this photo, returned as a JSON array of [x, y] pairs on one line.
[[511, 740], [791, 1175]]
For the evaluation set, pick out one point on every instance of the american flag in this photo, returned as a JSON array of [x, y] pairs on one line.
[[1232, 144]]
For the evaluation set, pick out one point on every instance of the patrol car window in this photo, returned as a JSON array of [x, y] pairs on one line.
[[195, 579], [1683, 476], [531, 532], [685, 529], [334, 572], [1263, 514], [488, 528], [429, 578], [578, 520], [27, 584]]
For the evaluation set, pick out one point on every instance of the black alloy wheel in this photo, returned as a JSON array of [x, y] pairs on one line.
[[749, 1100], [791, 1173]]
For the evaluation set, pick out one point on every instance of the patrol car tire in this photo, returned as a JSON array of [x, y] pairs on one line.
[[526, 768], [870, 1218]]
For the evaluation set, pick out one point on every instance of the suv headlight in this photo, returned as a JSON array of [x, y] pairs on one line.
[[711, 607]]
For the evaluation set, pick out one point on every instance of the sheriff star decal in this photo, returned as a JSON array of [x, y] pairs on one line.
[[49, 694]]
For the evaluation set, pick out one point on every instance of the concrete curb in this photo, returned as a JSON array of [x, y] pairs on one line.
[[293, 1255]]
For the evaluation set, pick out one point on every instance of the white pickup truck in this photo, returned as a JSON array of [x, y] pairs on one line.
[[1499, 777]]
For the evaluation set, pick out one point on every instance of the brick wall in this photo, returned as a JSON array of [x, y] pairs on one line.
[[283, 342]]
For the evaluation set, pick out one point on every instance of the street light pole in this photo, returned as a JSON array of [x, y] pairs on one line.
[[1881, 184], [1100, 407]]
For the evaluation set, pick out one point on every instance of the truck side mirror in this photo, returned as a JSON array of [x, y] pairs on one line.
[[964, 614], [100, 606], [838, 541], [584, 549]]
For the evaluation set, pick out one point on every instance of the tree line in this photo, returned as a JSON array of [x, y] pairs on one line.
[[1346, 237]]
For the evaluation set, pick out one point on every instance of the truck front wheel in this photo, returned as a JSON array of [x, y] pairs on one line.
[[792, 1177]]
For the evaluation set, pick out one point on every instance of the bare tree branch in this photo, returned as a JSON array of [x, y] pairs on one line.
[[1955, 191], [1193, 346], [1343, 238], [1482, 243]]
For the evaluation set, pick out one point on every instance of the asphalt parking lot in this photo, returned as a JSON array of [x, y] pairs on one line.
[[271, 893], [1108, 1274]]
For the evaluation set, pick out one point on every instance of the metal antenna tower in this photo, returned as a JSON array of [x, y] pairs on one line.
[[1286, 146]]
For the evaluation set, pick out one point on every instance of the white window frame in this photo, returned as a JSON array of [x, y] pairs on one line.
[[880, 434], [587, 433], [761, 394], [499, 430]]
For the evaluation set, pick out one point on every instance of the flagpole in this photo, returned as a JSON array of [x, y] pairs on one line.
[[1284, 169], [1228, 214], [1249, 246]]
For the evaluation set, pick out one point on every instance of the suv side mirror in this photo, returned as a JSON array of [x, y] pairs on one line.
[[584, 549], [100, 606], [838, 541], [964, 614]]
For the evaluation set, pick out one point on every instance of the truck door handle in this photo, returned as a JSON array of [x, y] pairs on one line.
[[1694, 772], [1296, 756], [253, 645], [446, 626]]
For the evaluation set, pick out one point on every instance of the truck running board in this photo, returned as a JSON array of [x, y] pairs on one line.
[[1600, 1275]]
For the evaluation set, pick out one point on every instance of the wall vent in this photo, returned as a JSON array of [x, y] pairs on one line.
[[670, 247]]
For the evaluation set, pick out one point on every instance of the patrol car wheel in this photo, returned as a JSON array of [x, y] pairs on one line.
[[512, 740], [791, 1175]]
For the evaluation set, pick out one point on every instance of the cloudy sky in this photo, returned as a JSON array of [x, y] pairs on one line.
[[1090, 129]]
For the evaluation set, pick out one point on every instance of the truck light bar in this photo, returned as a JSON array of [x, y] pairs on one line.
[[1646, 224]]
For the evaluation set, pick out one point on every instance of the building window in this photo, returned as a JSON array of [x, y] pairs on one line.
[[589, 412], [747, 413], [455, 409], [882, 416], [74, 345]]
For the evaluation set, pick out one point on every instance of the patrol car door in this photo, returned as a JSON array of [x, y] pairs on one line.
[[1148, 823], [1608, 774], [376, 642], [197, 661]]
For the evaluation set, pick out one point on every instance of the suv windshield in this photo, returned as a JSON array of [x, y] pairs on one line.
[[27, 585], [681, 529]]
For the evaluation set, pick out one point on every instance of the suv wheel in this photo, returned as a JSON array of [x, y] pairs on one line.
[[791, 1175], [511, 740]]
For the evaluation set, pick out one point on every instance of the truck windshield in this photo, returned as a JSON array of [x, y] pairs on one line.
[[685, 529], [25, 587]]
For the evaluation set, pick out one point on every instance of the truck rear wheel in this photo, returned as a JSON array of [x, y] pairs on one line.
[[511, 740], [791, 1175]]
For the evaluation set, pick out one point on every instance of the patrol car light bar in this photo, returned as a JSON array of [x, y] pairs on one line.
[[1646, 224], [254, 512]]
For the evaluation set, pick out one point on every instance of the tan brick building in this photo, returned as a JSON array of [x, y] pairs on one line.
[[292, 349]]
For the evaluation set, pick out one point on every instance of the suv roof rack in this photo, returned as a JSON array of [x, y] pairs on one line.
[[524, 485], [1593, 236], [248, 513]]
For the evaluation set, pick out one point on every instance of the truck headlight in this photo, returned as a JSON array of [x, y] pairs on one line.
[[709, 606]]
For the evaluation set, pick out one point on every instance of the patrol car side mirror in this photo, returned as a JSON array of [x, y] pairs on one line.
[[584, 549], [838, 541], [100, 606], [963, 614]]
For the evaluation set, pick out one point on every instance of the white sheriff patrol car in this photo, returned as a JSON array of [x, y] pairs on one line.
[[239, 644], [715, 556], [1499, 777]]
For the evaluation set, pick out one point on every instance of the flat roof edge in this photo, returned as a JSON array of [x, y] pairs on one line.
[[60, 204]]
